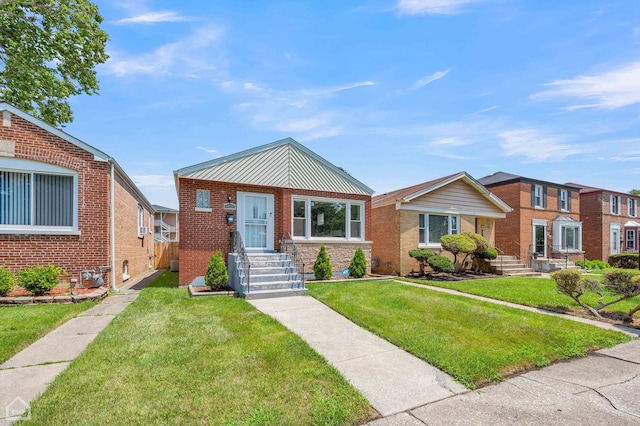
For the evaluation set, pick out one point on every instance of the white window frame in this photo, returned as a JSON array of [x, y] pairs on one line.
[[630, 247], [538, 197], [559, 233], [16, 165], [348, 203], [614, 202], [564, 203], [632, 207], [450, 228]]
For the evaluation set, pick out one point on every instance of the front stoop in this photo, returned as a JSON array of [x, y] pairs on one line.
[[511, 266], [273, 275]]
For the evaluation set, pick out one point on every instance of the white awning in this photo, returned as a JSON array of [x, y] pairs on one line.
[[632, 224]]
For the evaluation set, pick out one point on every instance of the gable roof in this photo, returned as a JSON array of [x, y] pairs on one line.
[[284, 164], [98, 155], [502, 178], [162, 209], [407, 194], [591, 190]]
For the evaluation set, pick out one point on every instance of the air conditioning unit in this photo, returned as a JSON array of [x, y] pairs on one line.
[[143, 230]]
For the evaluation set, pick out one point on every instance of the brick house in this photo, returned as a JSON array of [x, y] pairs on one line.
[[66, 203], [545, 221], [610, 221], [265, 193], [417, 216]]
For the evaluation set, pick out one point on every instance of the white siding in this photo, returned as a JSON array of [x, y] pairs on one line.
[[457, 197]]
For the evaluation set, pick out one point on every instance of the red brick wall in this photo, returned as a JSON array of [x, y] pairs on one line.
[[203, 233], [386, 239], [71, 252], [518, 225], [138, 252]]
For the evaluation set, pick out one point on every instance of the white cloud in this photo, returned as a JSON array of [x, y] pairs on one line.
[[153, 181], [153, 18], [491, 108], [536, 146], [433, 7], [207, 150], [194, 53], [612, 89], [429, 79]]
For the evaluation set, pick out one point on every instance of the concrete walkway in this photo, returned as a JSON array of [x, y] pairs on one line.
[[391, 379], [28, 374]]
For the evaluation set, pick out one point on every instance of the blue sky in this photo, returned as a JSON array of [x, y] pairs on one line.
[[397, 92]]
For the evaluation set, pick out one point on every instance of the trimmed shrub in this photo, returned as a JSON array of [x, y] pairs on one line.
[[39, 279], [571, 283], [624, 260], [490, 253], [622, 282], [358, 265], [216, 277], [441, 264], [592, 265], [7, 281], [322, 269], [456, 244], [481, 243], [422, 256]]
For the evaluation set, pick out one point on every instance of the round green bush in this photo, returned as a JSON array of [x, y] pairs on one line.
[[7, 281], [358, 265], [39, 279], [216, 277], [441, 264], [322, 269], [490, 253]]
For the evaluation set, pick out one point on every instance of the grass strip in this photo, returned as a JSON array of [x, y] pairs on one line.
[[170, 359], [476, 342], [21, 325], [529, 291]]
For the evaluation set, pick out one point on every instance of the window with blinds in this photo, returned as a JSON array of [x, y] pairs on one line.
[[36, 199]]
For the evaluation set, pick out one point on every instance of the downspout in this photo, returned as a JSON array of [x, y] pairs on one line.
[[112, 226]]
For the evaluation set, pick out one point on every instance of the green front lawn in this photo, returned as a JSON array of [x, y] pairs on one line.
[[170, 359], [536, 292], [476, 342], [21, 325]]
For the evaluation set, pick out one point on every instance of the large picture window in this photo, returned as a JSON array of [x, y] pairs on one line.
[[432, 227], [321, 218], [30, 200]]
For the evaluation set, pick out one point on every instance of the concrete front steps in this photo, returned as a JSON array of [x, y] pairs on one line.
[[273, 275], [550, 265], [510, 265]]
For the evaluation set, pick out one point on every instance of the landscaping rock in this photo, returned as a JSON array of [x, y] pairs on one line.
[[43, 299], [24, 300], [63, 299], [6, 301], [81, 297]]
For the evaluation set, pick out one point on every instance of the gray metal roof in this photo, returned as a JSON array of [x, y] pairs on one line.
[[283, 164]]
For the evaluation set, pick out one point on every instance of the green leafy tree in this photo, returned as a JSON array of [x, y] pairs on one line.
[[7, 281], [322, 266], [441, 264], [48, 53], [635, 192], [358, 265], [216, 277], [458, 244]]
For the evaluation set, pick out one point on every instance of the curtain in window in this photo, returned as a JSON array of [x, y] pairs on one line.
[[15, 198], [53, 200], [438, 227], [255, 220]]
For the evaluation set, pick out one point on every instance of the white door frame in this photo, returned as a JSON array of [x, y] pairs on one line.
[[542, 224], [614, 238], [240, 196]]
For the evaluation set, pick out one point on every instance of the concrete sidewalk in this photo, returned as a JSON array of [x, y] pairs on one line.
[[28, 374], [603, 388], [390, 378]]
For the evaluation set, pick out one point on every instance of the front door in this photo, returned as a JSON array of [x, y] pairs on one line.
[[615, 240], [539, 246], [255, 220]]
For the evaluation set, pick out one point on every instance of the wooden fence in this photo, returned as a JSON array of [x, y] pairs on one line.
[[165, 253]]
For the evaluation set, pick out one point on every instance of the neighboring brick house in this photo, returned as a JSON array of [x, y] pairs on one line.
[[417, 216], [263, 193], [166, 229], [545, 222], [66, 203], [610, 221]]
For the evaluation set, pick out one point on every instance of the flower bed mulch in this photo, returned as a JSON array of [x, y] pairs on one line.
[[58, 291]]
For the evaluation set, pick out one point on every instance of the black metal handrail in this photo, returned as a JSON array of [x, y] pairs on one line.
[[565, 252], [237, 246], [288, 246]]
